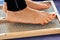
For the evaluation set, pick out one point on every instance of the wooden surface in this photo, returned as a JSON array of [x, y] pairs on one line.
[[18, 30], [1, 7]]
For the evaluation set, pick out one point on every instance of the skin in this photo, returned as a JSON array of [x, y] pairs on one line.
[[5, 7], [42, 5], [33, 5], [28, 15]]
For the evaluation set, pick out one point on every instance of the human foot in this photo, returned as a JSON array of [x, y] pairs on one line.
[[42, 5], [5, 7], [28, 15], [31, 5]]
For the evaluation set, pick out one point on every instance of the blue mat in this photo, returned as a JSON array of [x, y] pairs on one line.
[[57, 3], [1, 1]]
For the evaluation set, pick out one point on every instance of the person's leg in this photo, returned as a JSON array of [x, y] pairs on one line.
[[36, 6], [32, 5], [28, 15]]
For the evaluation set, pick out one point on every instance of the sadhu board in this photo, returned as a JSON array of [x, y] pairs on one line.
[[18, 30]]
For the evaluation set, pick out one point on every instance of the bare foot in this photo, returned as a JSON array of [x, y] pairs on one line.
[[42, 5], [29, 16], [5, 7], [32, 5]]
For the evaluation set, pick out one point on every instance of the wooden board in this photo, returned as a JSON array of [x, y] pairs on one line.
[[17, 30]]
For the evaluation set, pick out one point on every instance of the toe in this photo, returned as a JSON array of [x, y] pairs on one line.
[[45, 20], [53, 16]]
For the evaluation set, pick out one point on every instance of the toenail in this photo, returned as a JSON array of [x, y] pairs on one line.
[[53, 14]]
